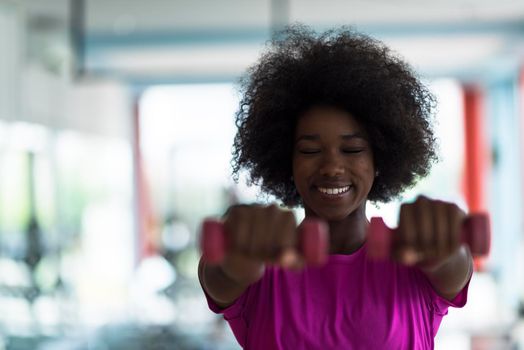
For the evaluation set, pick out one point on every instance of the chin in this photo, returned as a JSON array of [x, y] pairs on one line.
[[332, 215]]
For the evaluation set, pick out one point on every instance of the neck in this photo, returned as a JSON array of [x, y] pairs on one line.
[[347, 235]]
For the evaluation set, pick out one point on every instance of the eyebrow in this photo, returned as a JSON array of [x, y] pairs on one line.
[[314, 137]]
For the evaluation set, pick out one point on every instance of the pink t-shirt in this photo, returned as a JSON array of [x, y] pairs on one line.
[[349, 303]]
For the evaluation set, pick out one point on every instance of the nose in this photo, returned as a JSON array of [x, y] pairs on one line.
[[332, 166]]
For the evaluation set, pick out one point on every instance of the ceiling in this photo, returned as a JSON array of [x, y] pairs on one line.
[[162, 41]]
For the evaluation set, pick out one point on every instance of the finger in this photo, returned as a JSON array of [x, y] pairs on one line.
[[290, 259], [287, 240], [237, 227], [407, 233], [424, 230], [259, 228], [269, 220], [456, 217], [441, 229]]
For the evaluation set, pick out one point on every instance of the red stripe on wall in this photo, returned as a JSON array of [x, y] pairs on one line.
[[476, 157], [147, 223], [476, 150]]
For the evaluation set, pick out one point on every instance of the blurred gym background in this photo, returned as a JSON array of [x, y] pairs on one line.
[[116, 124]]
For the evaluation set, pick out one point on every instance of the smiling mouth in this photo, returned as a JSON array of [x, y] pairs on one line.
[[334, 191]]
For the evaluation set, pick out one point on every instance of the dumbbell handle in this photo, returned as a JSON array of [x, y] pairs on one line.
[[475, 232], [313, 241]]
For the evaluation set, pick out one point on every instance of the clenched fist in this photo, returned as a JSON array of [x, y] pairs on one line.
[[256, 236], [429, 231]]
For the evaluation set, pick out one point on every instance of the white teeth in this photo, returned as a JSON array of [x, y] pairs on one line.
[[336, 190]]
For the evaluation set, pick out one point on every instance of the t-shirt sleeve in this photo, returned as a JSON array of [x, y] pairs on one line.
[[440, 304], [233, 314], [231, 311]]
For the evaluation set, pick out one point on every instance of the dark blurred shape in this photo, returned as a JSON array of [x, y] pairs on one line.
[[34, 249], [77, 36]]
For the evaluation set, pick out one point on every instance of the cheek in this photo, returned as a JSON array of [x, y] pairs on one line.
[[366, 168], [301, 171], [369, 168]]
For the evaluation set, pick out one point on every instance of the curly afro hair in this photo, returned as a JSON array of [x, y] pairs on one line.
[[346, 70]]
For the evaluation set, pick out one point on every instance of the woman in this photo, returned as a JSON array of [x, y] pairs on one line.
[[329, 122]]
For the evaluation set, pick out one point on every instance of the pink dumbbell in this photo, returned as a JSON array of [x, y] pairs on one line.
[[313, 241], [475, 233]]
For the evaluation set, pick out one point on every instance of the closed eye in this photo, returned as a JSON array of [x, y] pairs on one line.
[[352, 150], [309, 151]]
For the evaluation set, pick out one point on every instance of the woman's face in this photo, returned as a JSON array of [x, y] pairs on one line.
[[333, 166]]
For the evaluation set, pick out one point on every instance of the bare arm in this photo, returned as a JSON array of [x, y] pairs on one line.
[[430, 238], [452, 274], [222, 288]]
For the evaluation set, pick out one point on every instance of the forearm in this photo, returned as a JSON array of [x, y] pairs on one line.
[[222, 288], [451, 275]]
